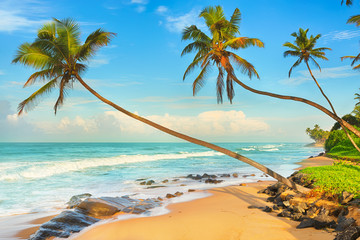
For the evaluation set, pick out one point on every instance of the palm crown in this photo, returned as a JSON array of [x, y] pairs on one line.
[[214, 50], [304, 48], [59, 58]]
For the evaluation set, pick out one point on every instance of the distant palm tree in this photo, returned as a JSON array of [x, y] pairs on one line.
[[304, 48], [215, 50], [59, 56]]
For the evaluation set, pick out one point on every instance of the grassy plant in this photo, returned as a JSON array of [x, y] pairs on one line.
[[342, 176]]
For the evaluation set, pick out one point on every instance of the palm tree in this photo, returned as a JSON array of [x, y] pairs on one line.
[[215, 50], [58, 56], [304, 48]]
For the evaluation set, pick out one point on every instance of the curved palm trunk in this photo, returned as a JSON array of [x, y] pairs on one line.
[[197, 141], [298, 99], [332, 107]]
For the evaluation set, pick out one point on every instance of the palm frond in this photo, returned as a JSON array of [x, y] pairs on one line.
[[220, 85], [192, 66], [291, 45], [195, 46], [354, 19], [43, 75], [195, 34], [230, 87], [68, 35], [62, 92], [94, 41], [243, 42], [292, 53], [33, 57], [47, 31], [32, 101], [315, 63], [235, 21], [200, 79], [297, 63], [212, 15], [244, 66]]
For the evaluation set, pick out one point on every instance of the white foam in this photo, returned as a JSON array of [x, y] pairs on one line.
[[47, 169]]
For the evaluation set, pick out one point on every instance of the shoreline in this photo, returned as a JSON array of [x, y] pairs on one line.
[[242, 191]]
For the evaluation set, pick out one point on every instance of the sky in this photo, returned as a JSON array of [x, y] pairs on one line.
[[141, 70]]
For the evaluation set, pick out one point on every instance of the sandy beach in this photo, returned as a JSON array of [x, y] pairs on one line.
[[230, 213]]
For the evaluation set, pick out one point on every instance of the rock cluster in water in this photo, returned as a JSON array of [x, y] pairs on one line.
[[317, 212], [89, 211]]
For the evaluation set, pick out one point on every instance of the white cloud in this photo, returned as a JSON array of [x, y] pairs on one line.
[[140, 9], [206, 124], [162, 9], [25, 15], [139, 1], [341, 35], [97, 62], [326, 73], [178, 23]]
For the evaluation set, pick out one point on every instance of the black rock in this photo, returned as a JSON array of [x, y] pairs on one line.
[[150, 182], [63, 225], [268, 209], [351, 233], [344, 223], [296, 216], [306, 223], [323, 221]]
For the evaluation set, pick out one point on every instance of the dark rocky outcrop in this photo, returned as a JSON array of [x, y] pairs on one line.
[[88, 212], [316, 211], [64, 225]]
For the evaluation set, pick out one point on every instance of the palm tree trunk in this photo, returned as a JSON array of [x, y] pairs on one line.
[[298, 99], [332, 107], [197, 141]]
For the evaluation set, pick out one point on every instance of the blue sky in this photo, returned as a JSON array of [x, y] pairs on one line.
[[141, 70]]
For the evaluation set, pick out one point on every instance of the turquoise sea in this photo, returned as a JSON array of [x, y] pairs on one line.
[[37, 177]]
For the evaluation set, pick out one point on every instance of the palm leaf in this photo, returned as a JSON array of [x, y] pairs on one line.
[[230, 87], [297, 63], [199, 81], [354, 19], [34, 57], [244, 66], [68, 35], [195, 34], [94, 41], [220, 85], [43, 75], [31, 101], [192, 66], [212, 15], [243, 42]]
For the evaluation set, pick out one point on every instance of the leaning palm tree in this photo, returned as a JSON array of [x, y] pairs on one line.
[[59, 58], [215, 50], [304, 49]]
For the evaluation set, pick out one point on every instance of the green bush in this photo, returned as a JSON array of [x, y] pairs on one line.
[[334, 138]]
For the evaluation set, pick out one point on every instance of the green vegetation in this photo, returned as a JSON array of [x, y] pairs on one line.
[[317, 134], [335, 179]]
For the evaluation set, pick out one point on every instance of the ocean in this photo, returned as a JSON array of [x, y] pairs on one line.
[[42, 177]]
